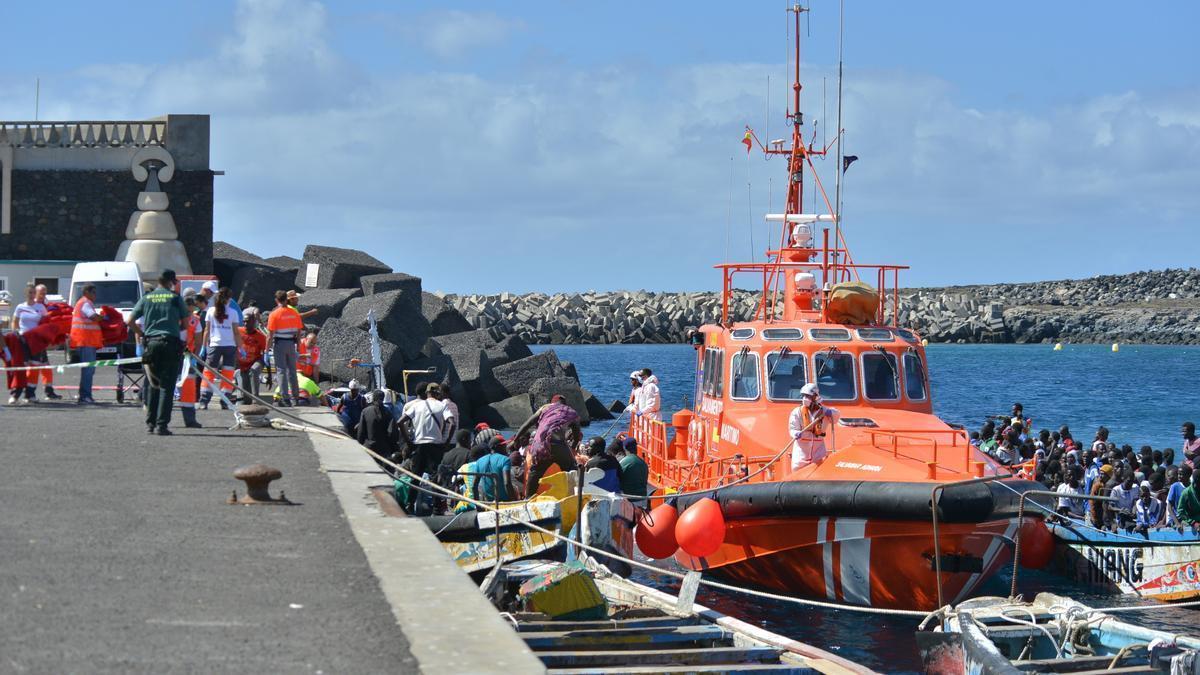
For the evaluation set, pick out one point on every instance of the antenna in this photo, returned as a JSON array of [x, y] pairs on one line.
[[767, 111], [837, 200]]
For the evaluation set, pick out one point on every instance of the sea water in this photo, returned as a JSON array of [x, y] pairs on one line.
[[1141, 393]]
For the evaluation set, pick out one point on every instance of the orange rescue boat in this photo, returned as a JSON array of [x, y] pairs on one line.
[[903, 512]]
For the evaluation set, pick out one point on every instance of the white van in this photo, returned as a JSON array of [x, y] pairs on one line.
[[118, 285]]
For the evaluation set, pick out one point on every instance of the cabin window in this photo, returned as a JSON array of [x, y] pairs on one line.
[[713, 381], [829, 334], [875, 335], [742, 333], [743, 375], [786, 376], [881, 376], [782, 334], [835, 375], [914, 377]]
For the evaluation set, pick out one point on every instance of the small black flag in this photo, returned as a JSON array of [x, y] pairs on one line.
[[847, 161]]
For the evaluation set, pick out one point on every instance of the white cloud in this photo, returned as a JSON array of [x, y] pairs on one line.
[[617, 176], [452, 34]]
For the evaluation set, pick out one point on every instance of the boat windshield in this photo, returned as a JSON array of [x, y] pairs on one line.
[[787, 375], [744, 375], [835, 375], [914, 377], [881, 381]]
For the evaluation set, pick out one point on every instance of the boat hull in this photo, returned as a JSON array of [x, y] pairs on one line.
[[1165, 566], [873, 562]]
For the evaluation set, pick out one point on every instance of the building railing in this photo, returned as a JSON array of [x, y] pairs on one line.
[[83, 134]]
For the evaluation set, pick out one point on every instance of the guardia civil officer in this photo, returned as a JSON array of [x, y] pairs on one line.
[[164, 316]]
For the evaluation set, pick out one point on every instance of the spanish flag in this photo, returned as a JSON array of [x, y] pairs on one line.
[[747, 142]]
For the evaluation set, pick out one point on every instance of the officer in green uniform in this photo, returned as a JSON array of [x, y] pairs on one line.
[[164, 315]]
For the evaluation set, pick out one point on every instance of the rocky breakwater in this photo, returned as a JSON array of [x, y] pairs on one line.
[[493, 377], [1150, 307]]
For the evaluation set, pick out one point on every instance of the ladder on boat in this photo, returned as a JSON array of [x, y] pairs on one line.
[[646, 640]]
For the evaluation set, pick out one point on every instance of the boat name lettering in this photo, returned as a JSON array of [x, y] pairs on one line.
[[712, 406], [730, 433], [1118, 564], [858, 466]]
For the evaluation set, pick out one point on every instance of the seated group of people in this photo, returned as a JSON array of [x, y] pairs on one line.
[[423, 437]]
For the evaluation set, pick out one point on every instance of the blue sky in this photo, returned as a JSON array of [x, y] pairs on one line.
[[576, 145]]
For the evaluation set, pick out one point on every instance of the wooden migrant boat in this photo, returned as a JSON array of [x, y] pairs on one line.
[[1163, 564]]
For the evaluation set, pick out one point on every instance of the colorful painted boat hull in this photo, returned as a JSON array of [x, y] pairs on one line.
[[1162, 566]]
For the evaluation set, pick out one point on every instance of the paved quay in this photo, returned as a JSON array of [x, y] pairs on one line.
[[118, 553]]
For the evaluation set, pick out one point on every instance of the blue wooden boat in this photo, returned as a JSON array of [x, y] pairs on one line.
[[1052, 634], [1163, 564]]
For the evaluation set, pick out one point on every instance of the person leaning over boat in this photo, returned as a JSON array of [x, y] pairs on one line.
[[549, 433], [649, 400], [807, 425]]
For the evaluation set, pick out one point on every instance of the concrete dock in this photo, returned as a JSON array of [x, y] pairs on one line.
[[118, 553]]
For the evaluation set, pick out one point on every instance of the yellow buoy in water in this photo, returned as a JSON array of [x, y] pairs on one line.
[[1116, 347], [924, 342], [1058, 346]]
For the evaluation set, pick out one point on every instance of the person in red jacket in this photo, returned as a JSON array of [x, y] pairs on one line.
[[254, 346], [86, 339]]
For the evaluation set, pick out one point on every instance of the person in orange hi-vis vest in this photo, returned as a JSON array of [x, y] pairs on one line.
[[807, 425], [285, 325], [86, 339], [254, 346], [310, 356], [188, 383]]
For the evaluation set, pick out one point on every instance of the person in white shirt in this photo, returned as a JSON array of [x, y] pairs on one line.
[[424, 421], [1125, 495], [223, 341], [25, 317], [635, 390], [649, 398], [1069, 503]]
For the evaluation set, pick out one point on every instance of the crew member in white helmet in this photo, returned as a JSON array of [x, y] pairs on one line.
[[808, 425], [635, 391]]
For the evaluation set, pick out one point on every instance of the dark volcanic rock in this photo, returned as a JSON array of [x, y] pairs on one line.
[[595, 408], [285, 262], [517, 377], [393, 281], [544, 388], [339, 342], [228, 259], [509, 413], [468, 339], [329, 302], [509, 349], [258, 283], [400, 320], [617, 406], [443, 319], [445, 374], [339, 267]]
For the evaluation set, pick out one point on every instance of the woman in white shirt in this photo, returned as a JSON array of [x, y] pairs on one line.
[[223, 341], [25, 317]]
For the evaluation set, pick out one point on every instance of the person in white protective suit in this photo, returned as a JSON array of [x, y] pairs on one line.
[[808, 424], [649, 399]]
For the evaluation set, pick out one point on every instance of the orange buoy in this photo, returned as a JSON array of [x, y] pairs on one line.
[[1037, 544], [701, 529], [655, 534]]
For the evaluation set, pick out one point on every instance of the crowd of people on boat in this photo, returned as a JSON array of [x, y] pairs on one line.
[[423, 437], [1148, 489]]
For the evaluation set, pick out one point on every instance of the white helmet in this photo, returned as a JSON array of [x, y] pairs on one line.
[[810, 389]]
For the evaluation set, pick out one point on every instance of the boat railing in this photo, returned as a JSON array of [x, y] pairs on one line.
[[885, 277], [683, 475], [940, 447]]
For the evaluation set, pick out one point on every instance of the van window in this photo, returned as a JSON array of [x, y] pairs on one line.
[[744, 375], [881, 381], [112, 293], [786, 375], [835, 375], [914, 377]]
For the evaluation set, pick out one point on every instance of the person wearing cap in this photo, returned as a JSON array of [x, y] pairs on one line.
[[349, 408], [209, 288], [163, 315], [483, 434], [293, 301], [284, 326], [807, 425], [635, 475]]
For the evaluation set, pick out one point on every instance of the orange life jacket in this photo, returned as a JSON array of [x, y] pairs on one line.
[[85, 332]]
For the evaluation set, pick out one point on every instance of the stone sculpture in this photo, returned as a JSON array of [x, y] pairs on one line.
[[151, 238]]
